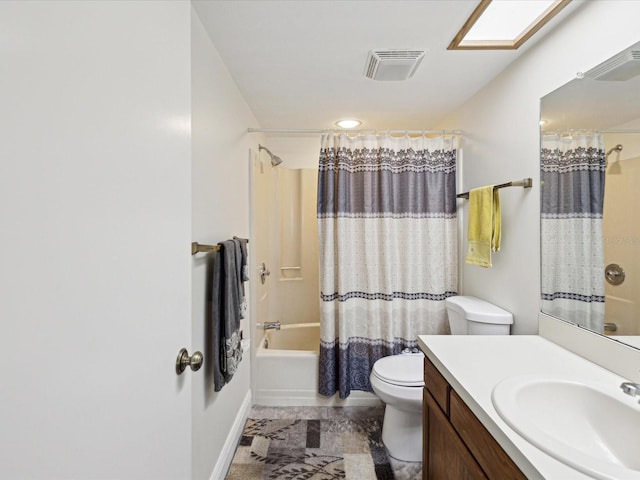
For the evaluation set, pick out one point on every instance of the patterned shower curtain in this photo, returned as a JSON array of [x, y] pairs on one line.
[[573, 173], [388, 250]]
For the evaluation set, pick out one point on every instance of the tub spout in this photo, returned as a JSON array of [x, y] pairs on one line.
[[271, 326]]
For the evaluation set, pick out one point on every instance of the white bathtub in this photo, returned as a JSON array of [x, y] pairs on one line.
[[287, 370], [298, 336]]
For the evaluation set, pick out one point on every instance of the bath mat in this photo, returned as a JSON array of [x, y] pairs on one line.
[[327, 449]]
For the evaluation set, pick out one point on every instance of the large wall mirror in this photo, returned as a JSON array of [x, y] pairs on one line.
[[590, 199]]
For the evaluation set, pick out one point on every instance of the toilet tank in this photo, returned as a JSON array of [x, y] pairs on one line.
[[473, 316]]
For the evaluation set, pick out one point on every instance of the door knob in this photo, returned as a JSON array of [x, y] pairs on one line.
[[264, 273], [184, 360]]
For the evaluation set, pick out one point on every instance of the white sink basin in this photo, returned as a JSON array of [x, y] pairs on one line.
[[592, 428]]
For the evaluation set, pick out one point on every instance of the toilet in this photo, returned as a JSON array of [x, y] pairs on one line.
[[472, 316], [398, 380]]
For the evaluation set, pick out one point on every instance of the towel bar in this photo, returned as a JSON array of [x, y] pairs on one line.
[[525, 183], [200, 248]]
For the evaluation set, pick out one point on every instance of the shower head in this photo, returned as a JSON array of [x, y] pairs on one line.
[[617, 148], [275, 160]]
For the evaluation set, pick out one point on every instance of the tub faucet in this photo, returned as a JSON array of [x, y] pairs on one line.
[[271, 325]]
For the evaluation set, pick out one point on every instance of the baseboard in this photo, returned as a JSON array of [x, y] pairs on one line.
[[229, 449]]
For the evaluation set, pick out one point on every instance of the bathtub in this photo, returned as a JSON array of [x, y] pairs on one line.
[[287, 370], [298, 337]]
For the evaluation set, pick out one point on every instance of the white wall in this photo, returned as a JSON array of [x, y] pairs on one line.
[[220, 210], [501, 143], [94, 237]]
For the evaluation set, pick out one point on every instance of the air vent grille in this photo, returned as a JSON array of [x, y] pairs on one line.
[[619, 68], [397, 64]]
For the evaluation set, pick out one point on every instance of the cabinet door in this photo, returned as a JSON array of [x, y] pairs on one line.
[[485, 448], [446, 457]]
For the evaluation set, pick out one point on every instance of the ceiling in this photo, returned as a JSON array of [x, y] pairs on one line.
[[299, 64]]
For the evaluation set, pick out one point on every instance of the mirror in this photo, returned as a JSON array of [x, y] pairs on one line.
[[590, 196]]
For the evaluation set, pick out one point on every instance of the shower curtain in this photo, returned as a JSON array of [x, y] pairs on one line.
[[573, 174], [388, 250]]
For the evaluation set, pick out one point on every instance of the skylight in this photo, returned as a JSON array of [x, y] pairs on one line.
[[505, 24]]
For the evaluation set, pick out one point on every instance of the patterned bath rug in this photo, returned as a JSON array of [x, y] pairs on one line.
[[328, 449]]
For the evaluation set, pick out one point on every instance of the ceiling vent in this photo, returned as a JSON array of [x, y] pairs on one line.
[[388, 65], [619, 68]]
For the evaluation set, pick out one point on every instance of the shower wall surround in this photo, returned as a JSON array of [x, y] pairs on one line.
[[290, 209], [294, 275], [622, 236]]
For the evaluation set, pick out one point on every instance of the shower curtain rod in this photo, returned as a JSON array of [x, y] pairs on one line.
[[340, 130], [585, 130]]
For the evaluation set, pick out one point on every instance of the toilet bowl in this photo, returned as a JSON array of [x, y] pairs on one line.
[[398, 379]]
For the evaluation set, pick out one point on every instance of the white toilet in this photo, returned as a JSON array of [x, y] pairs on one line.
[[472, 316], [399, 379]]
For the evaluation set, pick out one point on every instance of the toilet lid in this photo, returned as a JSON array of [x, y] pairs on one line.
[[404, 369]]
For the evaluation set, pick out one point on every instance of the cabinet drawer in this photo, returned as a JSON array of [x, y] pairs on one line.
[[486, 450], [437, 385]]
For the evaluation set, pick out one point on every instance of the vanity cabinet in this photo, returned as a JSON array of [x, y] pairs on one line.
[[455, 443]]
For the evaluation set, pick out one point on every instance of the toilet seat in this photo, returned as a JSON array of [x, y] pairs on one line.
[[405, 370]]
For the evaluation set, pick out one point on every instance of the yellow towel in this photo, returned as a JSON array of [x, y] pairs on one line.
[[484, 228]]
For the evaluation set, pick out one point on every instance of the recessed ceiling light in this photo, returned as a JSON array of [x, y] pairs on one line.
[[543, 122], [348, 123], [505, 24]]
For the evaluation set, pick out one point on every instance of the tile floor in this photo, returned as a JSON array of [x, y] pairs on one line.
[[401, 470]]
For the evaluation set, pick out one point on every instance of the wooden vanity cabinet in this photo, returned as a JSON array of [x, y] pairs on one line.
[[455, 444]]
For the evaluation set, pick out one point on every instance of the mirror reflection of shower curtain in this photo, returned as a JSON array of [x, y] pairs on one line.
[[572, 270], [388, 250]]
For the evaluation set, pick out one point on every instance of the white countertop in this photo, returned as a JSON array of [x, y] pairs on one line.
[[473, 365]]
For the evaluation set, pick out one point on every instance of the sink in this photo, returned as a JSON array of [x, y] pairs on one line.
[[592, 428]]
